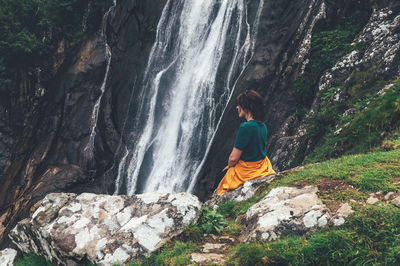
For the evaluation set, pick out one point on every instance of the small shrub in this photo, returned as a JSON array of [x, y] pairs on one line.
[[226, 207], [212, 221], [32, 259], [192, 232]]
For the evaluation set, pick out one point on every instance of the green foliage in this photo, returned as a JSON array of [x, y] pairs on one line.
[[370, 237], [234, 229], [32, 259], [29, 29], [192, 232], [24, 24], [177, 253], [326, 48], [211, 221], [362, 130], [233, 209]]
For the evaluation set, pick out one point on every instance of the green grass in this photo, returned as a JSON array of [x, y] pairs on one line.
[[172, 253], [368, 172], [370, 237], [192, 232], [232, 209], [234, 229]]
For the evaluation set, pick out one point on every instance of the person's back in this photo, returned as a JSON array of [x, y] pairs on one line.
[[252, 139]]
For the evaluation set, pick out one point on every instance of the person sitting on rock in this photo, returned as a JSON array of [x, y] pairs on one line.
[[248, 159]]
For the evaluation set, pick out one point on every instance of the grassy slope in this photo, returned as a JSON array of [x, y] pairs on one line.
[[371, 236]]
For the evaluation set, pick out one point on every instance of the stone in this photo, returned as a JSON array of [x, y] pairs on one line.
[[226, 239], [107, 230], [372, 200], [7, 257], [240, 194], [345, 210], [396, 202], [285, 209], [389, 195], [338, 221], [208, 258], [208, 247]]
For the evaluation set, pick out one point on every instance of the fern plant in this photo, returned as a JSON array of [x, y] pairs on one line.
[[211, 221]]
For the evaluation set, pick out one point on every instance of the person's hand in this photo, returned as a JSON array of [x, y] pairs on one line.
[[226, 168]]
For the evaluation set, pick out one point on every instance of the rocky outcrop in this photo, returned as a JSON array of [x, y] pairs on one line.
[[382, 37], [285, 210], [245, 192], [69, 228], [378, 47], [7, 257]]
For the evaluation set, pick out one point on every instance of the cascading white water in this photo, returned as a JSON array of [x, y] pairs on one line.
[[88, 151], [185, 89]]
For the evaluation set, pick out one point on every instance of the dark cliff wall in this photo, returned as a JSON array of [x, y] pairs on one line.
[[48, 155]]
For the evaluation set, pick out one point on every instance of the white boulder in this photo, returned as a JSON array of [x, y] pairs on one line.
[[7, 257], [107, 230], [283, 210]]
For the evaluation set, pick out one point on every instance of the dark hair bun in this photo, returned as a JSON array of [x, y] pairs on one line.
[[251, 101]]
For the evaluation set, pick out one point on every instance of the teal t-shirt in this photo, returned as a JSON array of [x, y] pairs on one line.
[[251, 139]]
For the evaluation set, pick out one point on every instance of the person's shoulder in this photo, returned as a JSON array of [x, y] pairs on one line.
[[252, 123], [247, 124]]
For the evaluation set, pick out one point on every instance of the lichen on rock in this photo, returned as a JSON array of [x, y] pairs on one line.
[[104, 229], [285, 209]]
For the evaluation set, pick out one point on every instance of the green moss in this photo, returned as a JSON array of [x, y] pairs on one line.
[[345, 195], [326, 48]]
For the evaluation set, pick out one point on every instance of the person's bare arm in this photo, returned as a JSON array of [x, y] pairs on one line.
[[233, 158]]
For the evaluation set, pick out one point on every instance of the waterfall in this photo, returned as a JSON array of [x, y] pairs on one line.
[[88, 150], [201, 48]]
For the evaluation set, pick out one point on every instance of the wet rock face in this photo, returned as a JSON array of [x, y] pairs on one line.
[[382, 35], [66, 228], [381, 39], [53, 140], [284, 210]]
